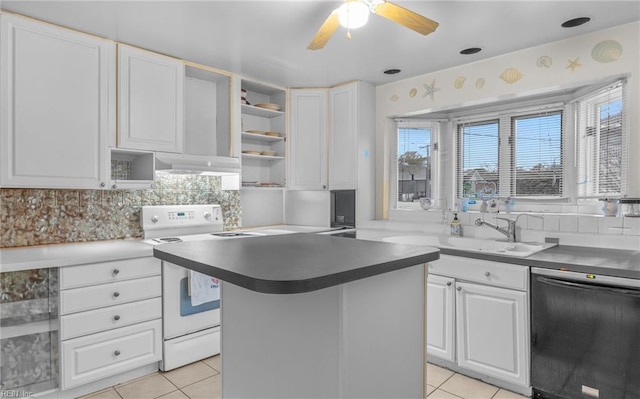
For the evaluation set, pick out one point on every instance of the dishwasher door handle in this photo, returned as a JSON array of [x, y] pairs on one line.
[[591, 287]]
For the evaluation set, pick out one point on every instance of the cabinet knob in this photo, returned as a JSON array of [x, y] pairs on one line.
[[459, 288], [116, 317], [116, 294], [324, 186], [102, 184], [117, 353], [114, 186], [487, 274], [448, 283], [116, 271]]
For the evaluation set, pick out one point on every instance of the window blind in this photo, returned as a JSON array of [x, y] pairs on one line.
[[601, 143], [536, 155], [478, 157]]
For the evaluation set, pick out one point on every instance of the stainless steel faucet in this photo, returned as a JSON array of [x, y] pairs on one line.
[[509, 232]]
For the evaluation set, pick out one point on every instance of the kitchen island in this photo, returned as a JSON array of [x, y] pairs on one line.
[[306, 315]]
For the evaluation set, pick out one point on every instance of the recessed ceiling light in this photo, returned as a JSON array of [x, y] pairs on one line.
[[470, 50], [572, 23], [391, 71]]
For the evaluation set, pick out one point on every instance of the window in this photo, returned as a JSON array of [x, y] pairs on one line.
[[415, 162], [478, 158], [515, 155], [601, 143], [537, 155]]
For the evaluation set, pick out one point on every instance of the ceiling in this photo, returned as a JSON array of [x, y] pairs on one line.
[[266, 40]]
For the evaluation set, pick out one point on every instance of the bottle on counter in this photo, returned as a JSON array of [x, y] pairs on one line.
[[456, 226]]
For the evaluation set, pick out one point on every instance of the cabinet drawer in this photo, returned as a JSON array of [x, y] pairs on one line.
[[482, 271], [93, 321], [108, 272], [108, 353], [100, 296]]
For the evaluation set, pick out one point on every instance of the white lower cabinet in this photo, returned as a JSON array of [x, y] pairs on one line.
[[492, 331], [441, 333], [478, 319], [110, 319]]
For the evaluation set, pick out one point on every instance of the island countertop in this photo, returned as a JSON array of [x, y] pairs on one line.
[[293, 263]]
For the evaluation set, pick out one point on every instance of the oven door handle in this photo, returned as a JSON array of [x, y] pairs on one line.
[[592, 287]]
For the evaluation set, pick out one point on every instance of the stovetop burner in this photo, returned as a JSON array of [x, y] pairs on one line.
[[168, 239]]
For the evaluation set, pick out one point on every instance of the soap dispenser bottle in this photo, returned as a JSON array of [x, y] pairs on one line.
[[456, 226]]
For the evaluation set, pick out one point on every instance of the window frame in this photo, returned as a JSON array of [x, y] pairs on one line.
[[434, 126], [507, 149]]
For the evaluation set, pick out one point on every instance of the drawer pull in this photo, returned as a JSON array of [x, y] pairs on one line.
[[487, 274], [116, 317], [115, 272], [459, 288], [116, 294], [117, 353], [448, 283]]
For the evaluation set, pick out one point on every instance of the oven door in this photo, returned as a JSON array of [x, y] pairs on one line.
[[179, 317]]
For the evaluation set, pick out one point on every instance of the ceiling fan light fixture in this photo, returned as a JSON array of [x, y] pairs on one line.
[[353, 14]]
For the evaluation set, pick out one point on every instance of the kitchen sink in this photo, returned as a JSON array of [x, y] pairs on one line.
[[479, 245]]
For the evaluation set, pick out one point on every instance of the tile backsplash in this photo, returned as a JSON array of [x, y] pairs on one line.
[[48, 216]]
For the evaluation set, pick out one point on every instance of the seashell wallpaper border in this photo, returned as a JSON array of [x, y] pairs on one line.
[[47, 216]]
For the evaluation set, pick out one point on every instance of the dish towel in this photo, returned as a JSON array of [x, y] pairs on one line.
[[203, 288]]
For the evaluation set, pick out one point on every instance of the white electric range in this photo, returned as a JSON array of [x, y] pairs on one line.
[[190, 332]]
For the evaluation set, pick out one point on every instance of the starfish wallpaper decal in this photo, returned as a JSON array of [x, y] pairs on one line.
[[429, 90], [573, 64]]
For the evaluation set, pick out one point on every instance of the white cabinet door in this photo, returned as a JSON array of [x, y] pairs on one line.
[[151, 100], [492, 327], [57, 101], [343, 137], [440, 317], [308, 167]]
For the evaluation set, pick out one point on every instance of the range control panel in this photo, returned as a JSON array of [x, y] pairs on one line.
[[181, 219]]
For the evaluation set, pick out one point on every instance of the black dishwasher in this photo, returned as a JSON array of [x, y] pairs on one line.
[[585, 336]]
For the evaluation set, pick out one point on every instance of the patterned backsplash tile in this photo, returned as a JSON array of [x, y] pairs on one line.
[[46, 216]]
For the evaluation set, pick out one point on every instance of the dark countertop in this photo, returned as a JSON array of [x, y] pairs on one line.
[[603, 261], [293, 263]]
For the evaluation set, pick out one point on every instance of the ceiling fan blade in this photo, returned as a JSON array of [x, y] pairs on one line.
[[324, 33], [406, 17]]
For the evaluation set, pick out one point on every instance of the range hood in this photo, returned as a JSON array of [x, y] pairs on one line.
[[167, 162], [226, 167]]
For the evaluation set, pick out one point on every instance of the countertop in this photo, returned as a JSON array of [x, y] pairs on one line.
[[59, 255], [293, 263], [605, 261], [585, 259]]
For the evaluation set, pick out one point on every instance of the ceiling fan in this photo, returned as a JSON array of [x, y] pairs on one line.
[[354, 13]]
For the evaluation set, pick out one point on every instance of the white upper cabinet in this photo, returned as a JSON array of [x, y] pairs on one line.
[[308, 141], [344, 130], [151, 100], [57, 102]]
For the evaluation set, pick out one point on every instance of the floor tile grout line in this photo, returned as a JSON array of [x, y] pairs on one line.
[[195, 382]]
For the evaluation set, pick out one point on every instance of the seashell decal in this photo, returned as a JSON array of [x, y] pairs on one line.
[[544, 62], [511, 75], [394, 98], [413, 92], [479, 83], [459, 82], [607, 51]]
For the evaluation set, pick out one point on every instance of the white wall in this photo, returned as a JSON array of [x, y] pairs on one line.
[[410, 97]]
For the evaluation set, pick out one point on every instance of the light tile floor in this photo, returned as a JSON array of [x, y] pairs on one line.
[[201, 380]]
